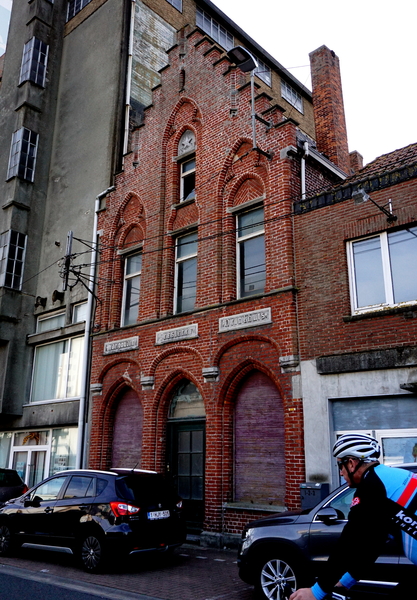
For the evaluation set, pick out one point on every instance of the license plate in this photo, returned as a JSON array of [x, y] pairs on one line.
[[158, 514]]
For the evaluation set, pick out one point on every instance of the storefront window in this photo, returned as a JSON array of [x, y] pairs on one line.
[[38, 454], [31, 438], [5, 443], [63, 451]]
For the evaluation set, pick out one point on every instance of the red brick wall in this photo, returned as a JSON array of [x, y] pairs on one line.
[[322, 276], [329, 112], [145, 207]]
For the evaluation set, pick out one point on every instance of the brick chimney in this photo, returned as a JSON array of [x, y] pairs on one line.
[[329, 112]]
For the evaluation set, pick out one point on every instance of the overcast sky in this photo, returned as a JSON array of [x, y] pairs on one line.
[[375, 41]]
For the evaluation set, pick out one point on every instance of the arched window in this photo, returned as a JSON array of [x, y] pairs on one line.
[[127, 432], [187, 402], [259, 442]]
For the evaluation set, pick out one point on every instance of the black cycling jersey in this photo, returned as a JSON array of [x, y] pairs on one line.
[[370, 521]]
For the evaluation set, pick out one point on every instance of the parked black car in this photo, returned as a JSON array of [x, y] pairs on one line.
[[11, 485], [290, 548], [96, 515]]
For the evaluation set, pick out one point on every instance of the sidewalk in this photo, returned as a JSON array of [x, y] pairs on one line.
[[191, 573]]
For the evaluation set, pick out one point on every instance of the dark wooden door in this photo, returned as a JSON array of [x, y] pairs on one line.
[[186, 467]]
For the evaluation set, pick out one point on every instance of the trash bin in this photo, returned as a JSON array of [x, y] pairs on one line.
[[312, 493]]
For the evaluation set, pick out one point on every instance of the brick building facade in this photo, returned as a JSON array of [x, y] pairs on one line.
[[204, 362], [356, 257]]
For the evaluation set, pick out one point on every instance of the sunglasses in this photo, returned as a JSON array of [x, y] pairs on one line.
[[341, 464]]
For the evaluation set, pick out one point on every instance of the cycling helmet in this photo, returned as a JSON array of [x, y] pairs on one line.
[[356, 445]]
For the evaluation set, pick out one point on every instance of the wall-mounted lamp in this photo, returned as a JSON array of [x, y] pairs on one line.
[[359, 196], [247, 63]]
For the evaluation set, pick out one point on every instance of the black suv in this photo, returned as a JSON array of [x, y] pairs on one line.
[[287, 550], [96, 515], [11, 485]]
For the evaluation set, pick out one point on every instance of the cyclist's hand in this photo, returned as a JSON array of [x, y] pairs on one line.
[[303, 594]]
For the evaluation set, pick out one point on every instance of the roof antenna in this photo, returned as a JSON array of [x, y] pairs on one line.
[[135, 466]]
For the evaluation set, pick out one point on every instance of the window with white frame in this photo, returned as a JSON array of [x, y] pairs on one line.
[[263, 72], [187, 180], [251, 269], [34, 61], [74, 7], [379, 269], [79, 312], [23, 154], [176, 3], [12, 258], [131, 288], [214, 29], [292, 96], [57, 370], [37, 454], [50, 322], [185, 273]]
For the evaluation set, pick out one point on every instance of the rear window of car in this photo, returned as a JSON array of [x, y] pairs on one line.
[[80, 487], [143, 488], [9, 478]]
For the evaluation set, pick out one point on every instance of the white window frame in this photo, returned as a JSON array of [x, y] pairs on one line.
[[33, 67], [186, 174], [64, 452], [263, 72], [240, 240], [22, 153], [63, 364], [180, 260], [387, 275], [219, 33], [176, 4], [60, 322], [11, 255], [80, 307], [126, 278], [292, 96], [74, 7]]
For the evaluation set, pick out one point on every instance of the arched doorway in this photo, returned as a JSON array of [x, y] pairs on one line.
[[127, 432], [259, 442], [186, 450]]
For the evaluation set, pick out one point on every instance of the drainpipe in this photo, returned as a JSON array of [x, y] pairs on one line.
[[303, 171], [85, 373], [129, 76]]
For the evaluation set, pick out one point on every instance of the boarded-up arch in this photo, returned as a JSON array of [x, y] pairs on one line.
[[127, 432], [259, 442]]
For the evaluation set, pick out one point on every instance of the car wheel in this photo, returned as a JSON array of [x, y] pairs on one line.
[[5, 540], [276, 579], [92, 553]]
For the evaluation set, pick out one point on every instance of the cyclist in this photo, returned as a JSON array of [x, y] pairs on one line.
[[385, 499]]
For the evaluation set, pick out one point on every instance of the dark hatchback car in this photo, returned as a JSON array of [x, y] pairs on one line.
[[11, 485], [290, 548], [96, 515]]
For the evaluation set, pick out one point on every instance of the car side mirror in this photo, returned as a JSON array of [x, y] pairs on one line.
[[327, 515], [36, 502]]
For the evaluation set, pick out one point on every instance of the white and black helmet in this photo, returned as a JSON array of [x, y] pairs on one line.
[[357, 445]]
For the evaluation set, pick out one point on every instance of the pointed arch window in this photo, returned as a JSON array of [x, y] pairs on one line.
[[187, 166]]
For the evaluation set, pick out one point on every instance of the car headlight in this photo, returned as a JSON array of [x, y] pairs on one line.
[[247, 538]]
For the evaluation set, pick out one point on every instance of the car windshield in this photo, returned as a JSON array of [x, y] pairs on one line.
[[143, 489], [9, 478]]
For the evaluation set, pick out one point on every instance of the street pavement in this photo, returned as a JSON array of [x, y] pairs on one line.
[[191, 573]]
